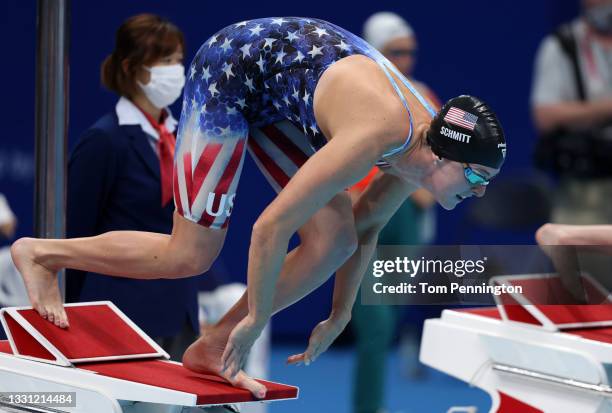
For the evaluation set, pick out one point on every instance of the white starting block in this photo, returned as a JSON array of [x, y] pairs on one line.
[[107, 364], [530, 358]]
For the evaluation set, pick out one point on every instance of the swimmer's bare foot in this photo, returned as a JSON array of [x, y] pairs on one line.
[[40, 282], [204, 356]]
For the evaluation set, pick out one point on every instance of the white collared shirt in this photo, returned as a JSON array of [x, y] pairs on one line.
[[129, 114], [6, 215]]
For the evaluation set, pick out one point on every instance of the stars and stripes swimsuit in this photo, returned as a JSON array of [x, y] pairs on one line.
[[251, 86]]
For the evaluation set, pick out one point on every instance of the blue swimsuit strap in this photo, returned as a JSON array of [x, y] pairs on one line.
[[413, 90], [385, 65], [405, 102]]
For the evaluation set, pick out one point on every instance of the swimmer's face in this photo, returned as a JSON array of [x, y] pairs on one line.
[[449, 185], [445, 179], [402, 53]]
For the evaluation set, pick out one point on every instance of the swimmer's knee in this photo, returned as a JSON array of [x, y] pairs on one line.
[[271, 227], [341, 240], [345, 241]]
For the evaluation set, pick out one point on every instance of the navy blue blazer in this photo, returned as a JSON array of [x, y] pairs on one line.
[[114, 184]]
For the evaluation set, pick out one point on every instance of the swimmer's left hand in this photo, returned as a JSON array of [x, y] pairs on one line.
[[322, 336], [239, 345]]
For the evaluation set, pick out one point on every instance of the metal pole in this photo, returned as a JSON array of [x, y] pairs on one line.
[[52, 46]]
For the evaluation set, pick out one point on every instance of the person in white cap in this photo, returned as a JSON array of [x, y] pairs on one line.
[[395, 38]]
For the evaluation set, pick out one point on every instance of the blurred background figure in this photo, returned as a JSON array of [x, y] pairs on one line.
[[413, 224], [120, 178], [572, 110], [395, 38], [8, 221], [12, 290]]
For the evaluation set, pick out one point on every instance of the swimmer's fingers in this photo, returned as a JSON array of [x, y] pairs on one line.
[[243, 360], [314, 350], [238, 345], [296, 359], [322, 336], [228, 356]]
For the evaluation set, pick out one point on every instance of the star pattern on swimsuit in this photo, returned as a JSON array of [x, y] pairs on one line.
[[263, 69]]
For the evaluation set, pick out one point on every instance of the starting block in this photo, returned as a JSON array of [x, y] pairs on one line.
[[528, 356], [108, 364]]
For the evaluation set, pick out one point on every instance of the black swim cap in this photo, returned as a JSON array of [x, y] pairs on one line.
[[467, 130]]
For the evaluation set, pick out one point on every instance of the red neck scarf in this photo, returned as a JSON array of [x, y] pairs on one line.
[[165, 146]]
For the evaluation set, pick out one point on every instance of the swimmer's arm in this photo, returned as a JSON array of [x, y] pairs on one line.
[[373, 209], [375, 206], [338, 165], [363, 123]]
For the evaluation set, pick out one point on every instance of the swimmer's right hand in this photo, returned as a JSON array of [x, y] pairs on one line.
[[323, 335]]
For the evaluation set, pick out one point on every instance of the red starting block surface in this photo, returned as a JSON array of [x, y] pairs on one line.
[[174, 376], [210, 390], [544, 302], [98, 331], [102, 340]]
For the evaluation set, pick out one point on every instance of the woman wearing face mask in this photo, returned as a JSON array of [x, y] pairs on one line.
[[120, 177], [318, 107]]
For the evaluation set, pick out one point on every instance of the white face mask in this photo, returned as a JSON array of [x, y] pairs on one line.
[[165, 86]]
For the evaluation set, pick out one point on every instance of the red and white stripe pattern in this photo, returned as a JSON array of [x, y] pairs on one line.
[[206, 174], [207, 169], [461, 118], [279, 150]]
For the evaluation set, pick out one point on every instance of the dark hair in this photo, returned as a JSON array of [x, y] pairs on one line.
[[141, 39]]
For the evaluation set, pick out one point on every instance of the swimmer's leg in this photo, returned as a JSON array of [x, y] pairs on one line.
[[190, 250], [206, 174], [328, 239]]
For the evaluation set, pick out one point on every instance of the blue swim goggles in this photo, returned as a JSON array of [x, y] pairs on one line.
[[473, 177]]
